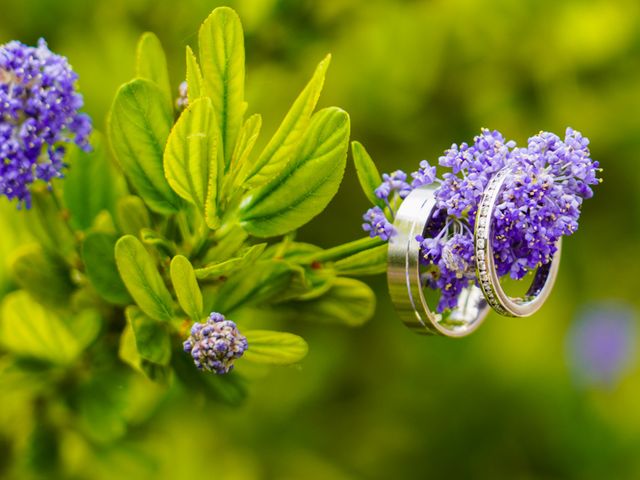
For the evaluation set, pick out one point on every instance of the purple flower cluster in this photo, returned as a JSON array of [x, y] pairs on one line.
[[215, 345], [539, 204], [39, 108]]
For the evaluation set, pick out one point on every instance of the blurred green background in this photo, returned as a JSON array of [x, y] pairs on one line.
[[379, 401]]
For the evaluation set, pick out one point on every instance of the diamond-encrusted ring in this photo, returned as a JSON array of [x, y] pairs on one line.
[[405, 278], [486, 271]]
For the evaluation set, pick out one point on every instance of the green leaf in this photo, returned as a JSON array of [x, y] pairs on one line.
[[46, 277], [186, 287], [190, 158], [129, 354], [195, 83], [244, 146], [138, 127], [368, 262], [308, 182], [151, 237], [368, 174], [229, 389], [98, 255], [151, 64], [83, 195], [27, 329], [227, 246], [282, 145], [254, 284], [152, 338], [229, 266], [221, 43], [274, 348], [139, 273], [47, 224], [349, 302], [85, 326], [132, 215]]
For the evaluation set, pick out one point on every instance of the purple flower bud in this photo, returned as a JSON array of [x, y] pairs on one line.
[[38, 114], [215, 344], [182, 101]]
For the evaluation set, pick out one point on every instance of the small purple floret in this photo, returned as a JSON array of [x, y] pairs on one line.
[[393, 182], [39, 111], [377, 225], [215, 344]]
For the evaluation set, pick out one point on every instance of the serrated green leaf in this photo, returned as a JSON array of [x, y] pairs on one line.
[[151, 64], [98, 255], [349, 302], [368, 174], [151, 337], [274, 348], [221, 43], [45, 276], [282, 145], [368, 262], [27, 329], [190, 158], [132, 215], [84, 197], [138, 127], [186, 287], [229, 266], [307, 184], [140, 275], [195, 87]]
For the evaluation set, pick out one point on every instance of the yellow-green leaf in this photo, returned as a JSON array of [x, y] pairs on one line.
[[28, 329], [275, 348], [190, 158], [221, 43], [367, 262], [367, 173], [280, 148], [186, 287], [307, 184], [138, 127], [151, 64], [142, 279], [195, 87]]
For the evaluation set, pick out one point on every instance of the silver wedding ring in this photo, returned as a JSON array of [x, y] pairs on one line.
[[404, 275], [486, 271]]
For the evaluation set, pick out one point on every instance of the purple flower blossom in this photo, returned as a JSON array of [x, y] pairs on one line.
[[601, 343], [377, 225], [39, 108], [426, 175], [394, 182], [215, 345], [539, 203]]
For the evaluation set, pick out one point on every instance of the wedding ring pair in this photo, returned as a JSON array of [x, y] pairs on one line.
[[405, 275]]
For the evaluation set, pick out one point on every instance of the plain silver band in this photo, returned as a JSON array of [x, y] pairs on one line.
[[486, 271], [404, 279]]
